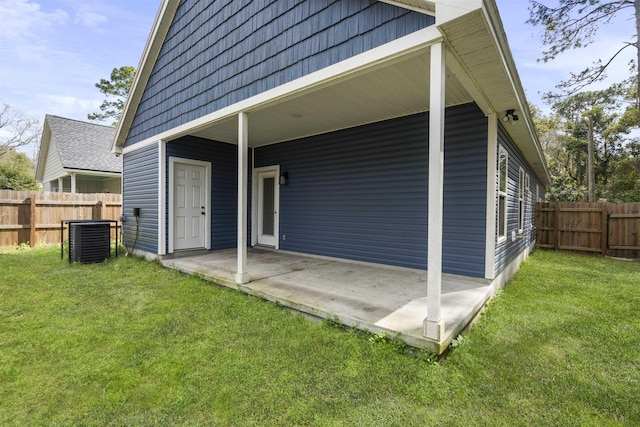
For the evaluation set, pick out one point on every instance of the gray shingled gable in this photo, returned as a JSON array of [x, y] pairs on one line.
[[83, 145]]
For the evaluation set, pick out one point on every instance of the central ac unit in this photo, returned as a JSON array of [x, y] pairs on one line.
[[89, 241]]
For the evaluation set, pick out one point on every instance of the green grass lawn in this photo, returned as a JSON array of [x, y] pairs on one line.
[[130, 343]]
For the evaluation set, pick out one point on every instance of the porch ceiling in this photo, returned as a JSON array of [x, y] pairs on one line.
[[392, 89]]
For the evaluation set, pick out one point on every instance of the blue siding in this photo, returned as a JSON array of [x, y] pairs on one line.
[[465, 191], [217, 53], [224, 181], [506, 251], [140, 190], [361, 193]]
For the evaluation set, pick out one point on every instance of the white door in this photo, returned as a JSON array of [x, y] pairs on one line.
[[189, 206], [268, 203]]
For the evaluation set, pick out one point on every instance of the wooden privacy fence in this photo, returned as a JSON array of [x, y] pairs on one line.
[[31, 217], [608, 228]]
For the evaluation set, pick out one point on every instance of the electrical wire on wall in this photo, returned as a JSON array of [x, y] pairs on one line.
[[136, 215]]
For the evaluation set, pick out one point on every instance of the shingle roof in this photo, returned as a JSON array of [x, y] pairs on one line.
[[83, 145]]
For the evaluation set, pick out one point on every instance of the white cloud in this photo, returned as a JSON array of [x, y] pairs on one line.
[[25, 19], [75, 107], [89, 19]]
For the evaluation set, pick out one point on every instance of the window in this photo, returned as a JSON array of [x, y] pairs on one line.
[[528, 198], [503, 160], [521, 200]]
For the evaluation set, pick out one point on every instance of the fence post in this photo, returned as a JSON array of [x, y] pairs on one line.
[[605, 230], [103, 210], [556, 227], [96, 211], [32, 220]]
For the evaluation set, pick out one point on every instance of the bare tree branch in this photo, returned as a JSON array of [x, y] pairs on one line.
[[16, 130]]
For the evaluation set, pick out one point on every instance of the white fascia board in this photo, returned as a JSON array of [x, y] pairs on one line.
[[161, 25], [387, 52], [45, 138], [93, 173], [428, 7]]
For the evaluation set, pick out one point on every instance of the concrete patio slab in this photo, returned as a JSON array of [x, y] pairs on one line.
[[374, 297]]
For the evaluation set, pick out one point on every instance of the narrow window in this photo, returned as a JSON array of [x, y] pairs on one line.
[[521, 202], [528, 200], [503, 160]]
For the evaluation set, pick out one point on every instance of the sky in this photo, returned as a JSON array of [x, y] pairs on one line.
[[52, 52]]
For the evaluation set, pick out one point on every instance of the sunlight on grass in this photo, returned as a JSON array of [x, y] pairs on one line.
[[128, 342]]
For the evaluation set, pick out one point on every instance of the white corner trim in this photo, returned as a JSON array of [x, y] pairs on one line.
[[411, 43], [492, 169], [162, 194]]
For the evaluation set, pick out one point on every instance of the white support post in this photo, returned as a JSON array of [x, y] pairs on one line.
[[243, 163], [433, 324], [60, 185], [73, 183], [162, 197]]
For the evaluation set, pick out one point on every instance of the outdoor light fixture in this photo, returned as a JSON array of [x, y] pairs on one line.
[[510, 115], [284, 177]]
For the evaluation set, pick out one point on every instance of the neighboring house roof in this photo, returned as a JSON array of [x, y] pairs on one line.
[[79, 145], [478, 56]]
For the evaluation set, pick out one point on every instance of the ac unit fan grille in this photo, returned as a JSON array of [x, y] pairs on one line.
[[89, 242]]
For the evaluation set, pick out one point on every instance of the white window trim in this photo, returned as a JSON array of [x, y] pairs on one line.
[[522, 206], [528, 201], [504, 194], [254, 204]]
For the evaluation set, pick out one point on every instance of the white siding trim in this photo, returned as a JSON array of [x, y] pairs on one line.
[[162, 197], [505, 214], [426, 11], [491, 205], [522, 200]]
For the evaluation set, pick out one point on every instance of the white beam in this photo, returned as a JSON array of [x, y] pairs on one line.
[[243, 162], [73, 183], [60, 185], [434, 325]]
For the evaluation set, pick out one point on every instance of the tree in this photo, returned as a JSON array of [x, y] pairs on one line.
[[574, 24], [117, 87], [16, 172], [594, 116], [16, 130]]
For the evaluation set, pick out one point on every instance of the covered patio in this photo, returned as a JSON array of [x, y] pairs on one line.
[[374, 297]]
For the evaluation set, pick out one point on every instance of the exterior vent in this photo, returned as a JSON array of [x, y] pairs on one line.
[[89, 242]]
